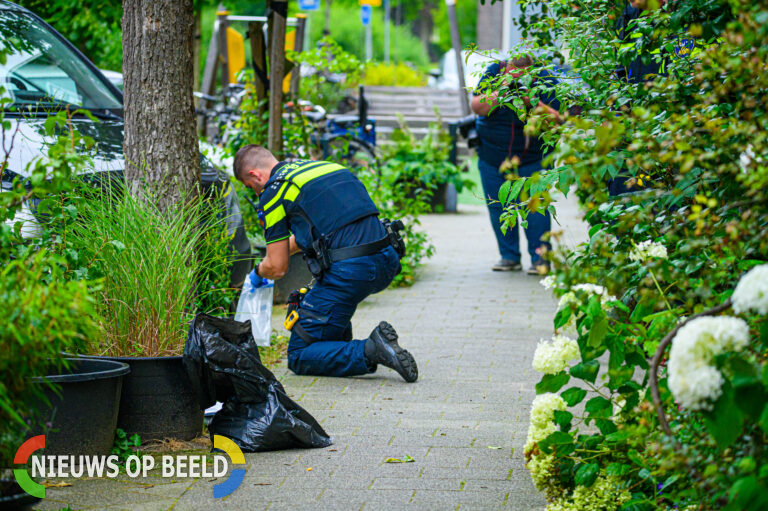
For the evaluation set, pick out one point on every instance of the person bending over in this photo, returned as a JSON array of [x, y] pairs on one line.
[[323, 210]]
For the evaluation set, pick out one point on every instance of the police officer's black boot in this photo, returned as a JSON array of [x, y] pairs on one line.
[[382, 348]]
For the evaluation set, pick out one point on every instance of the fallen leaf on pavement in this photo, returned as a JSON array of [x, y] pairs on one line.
[[494, 447], [406, 459], [309, 469], [60, 484]]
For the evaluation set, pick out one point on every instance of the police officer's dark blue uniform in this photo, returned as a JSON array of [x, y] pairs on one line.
[[310, 199]]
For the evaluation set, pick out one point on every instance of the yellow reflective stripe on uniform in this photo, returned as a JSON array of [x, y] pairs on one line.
[[303, 176], [309, 175], [285, 185], [275, 216]]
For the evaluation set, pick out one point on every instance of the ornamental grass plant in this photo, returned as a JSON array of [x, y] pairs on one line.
[[148, 262]]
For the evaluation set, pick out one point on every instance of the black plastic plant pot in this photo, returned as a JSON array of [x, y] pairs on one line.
[[298, 276], [13, 498], [83, 414], [158, 401]]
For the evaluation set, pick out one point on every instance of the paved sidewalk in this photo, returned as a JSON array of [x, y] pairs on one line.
[[473, 333]]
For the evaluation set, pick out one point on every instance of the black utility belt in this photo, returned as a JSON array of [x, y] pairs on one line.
[[320, 257]]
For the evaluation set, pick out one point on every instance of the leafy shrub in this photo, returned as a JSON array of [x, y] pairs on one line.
[[422, 162], [328, 59], [691, 148], [407, 203], [399, 74], [45, 316]]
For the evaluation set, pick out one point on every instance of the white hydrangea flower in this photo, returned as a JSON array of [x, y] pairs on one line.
[[541, 471], [648, 250], [693, 380], [751, 292], [553, 356], [542, 417], [607, 492], [548, 282]]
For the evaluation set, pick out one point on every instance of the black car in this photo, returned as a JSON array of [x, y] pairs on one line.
[[44, 72]]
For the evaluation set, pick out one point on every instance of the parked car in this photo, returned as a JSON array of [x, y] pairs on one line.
[[42, 73], [447, 77], [114, 77]]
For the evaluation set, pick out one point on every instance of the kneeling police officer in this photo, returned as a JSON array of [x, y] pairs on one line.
[[324, 211]]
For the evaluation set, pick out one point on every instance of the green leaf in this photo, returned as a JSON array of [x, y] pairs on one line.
[[586, 371], [606, 426], [516, 187], [617, 469], [598, 331], [635, 457], [563, 419], [71, 211], [117, 244], [556, 438], [599, 406], [504, 192], [49, 125], [562, 316], [552, 382], [586, 474], [573, 396], [617, 437], [725, 420]]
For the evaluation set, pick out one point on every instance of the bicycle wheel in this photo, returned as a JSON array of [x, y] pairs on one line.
[[354, 153]]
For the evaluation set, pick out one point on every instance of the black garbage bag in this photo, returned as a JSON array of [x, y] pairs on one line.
[[223, 363]]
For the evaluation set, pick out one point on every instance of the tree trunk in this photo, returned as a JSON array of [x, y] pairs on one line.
[[196, 42], [160, 143]]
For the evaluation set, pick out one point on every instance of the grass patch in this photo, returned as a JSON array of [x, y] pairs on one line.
[[273, 354], [472, 196]]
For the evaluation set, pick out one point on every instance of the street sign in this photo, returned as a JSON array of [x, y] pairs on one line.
[[373, 3], [365, 14], [309, 5]]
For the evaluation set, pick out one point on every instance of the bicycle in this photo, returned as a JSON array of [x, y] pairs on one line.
[[219, 120], [346, 139]]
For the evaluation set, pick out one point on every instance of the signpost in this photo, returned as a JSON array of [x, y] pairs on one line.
[[366, 12], [456, 43], [309, 5]]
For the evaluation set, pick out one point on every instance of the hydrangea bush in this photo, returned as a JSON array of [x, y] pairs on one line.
[[673, 282]]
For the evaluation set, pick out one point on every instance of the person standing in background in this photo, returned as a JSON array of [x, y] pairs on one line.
[[502, 138]]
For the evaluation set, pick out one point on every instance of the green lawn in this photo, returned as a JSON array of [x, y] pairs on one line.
[[475, 195]]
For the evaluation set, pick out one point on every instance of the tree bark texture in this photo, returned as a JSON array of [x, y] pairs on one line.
[[160, 145]]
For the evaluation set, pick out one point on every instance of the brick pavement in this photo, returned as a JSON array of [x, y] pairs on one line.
[[472, 332]]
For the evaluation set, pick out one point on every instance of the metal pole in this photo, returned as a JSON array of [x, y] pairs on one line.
[[368, 41], [386, 31], [221, 15], [279, 9], [456, 43], [298, 45]]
